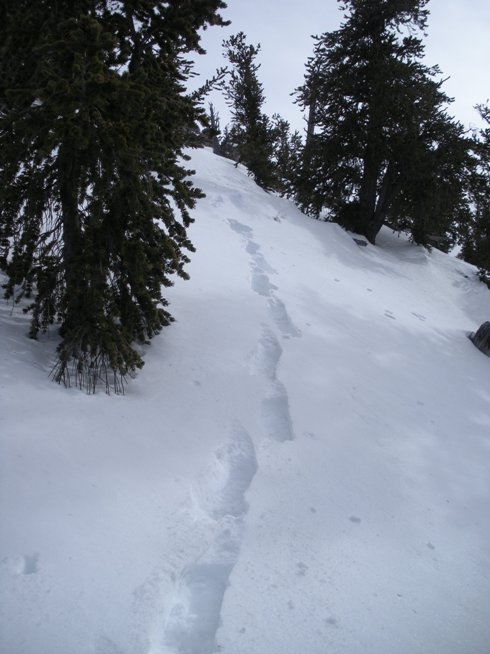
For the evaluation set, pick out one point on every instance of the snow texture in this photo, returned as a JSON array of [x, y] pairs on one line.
[[302, 466]]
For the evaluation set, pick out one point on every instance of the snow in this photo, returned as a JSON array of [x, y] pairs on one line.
[[301, 466]]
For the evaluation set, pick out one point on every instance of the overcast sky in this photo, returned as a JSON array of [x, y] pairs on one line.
[[458, 41]]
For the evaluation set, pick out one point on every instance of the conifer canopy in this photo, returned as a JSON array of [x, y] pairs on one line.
[[94, 198], [475, 233], [381, 147], [249, 140]]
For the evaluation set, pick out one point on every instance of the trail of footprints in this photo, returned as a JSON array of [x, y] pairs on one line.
[[193, 617], [276, 419], [261, 283], [194, 614]]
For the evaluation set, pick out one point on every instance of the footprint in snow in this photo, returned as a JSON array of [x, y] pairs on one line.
[[28, 564], [261, 283], [217, 201], [266, 357], [194, 613], [282, 319], [240, 228], [261, 262], [276, 417], [220, 490], [31, 564], [252, 247]]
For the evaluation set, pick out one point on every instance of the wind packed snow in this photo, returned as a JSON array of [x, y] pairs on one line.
[[302, 466]]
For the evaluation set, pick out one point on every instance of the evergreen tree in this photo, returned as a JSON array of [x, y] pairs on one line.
[[307, 195], [476, 231], [94, 202], [228, 147], [287, 147], [249, 134], [212, 130], [381, 147]]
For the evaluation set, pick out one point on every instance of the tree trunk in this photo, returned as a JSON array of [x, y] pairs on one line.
[[372, 163], [215, 128], [368, 194], [68, 176], [310, 130], [386, 194]]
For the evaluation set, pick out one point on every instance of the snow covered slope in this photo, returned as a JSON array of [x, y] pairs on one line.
[[302, 466]]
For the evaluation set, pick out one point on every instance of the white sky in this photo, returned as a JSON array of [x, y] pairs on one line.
[[458, 41]]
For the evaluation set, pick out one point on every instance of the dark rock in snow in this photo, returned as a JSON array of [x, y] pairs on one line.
[[481, 338], [360, 242]]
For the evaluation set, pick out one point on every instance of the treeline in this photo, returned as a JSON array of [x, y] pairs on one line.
[[95, 116], [380, 147]]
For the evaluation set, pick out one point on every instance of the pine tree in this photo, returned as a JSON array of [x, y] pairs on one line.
[[287, 147], [94, 199], [211, 132], [249, 134], [476, 231], [382, 148]]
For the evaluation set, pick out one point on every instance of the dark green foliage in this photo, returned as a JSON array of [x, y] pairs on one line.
[[94, 202], [227, 145], [287, 149], [211, 132], [476, 231], [249, 138], [380, 146]]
